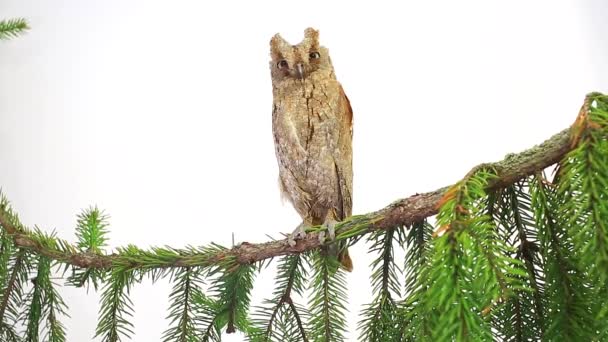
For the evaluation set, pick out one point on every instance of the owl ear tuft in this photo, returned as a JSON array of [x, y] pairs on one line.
[[277, 44], [312, 35]]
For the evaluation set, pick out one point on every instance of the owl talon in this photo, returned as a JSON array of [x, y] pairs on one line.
[[330, 226], [298, 234], [322, 237]]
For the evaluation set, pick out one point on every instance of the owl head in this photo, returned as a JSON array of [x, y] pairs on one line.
[[298, 61]]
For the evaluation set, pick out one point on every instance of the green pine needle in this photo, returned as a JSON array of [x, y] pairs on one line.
[[12, 28], [232, 289], [45, 305], [569, 304], [188, 283], [469, 272], [8, 333], [521, 316], [379, 322], [91, 230], [329, 296], [207, 317], [13, 291], [584, 180], [413, 321], [280, 318], [116, 308], [54, 307], [34, 303]]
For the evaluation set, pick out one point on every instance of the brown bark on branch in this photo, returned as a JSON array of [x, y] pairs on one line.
[[402, 212]]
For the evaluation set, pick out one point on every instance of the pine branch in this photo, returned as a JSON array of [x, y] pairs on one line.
[[207, 319], [116, 307], [232, 289], [403, 212], [8, 333], [379, 321], [279, 319], [12, 28], [54, 306], [329, 295], [91, 230], [34, 303], [414, 322], [585, 178], [188, 283], [10, 286], [570, 315], [469, 269], [521, 316], [12, 293]]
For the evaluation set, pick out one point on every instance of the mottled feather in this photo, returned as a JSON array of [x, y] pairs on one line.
[[312, 123]]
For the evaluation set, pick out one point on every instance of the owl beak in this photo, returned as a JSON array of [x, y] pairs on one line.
[[300, 70]]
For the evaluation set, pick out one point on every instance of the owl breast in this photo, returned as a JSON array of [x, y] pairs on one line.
[[308, 127]]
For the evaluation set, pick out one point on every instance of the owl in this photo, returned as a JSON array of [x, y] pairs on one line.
[[312, 124]]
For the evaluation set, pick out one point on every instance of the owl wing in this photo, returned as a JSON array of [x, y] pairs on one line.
[[287, 150], [343, 156]]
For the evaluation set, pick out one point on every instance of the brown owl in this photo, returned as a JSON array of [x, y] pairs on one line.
[[312, 123]]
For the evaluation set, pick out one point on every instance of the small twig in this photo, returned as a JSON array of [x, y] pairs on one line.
[[298, 320], [285, 298], [10, 286]]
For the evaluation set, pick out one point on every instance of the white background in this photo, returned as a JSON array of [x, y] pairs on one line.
[[159, 112]]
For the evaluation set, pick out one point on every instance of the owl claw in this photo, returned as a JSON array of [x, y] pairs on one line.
[[298, 234], [330, 226]]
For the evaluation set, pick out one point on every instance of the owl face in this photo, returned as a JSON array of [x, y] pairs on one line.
[[298, 61]]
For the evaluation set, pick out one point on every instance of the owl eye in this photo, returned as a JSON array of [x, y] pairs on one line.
[[314, 55], [282, 64]]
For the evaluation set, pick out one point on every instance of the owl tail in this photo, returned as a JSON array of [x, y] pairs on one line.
[[345, 260]]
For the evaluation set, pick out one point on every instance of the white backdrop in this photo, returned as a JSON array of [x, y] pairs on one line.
[[159, 112]]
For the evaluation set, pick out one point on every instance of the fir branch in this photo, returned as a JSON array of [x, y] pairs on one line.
[[10, 287], [12, 28], [44, 302], [7, 249], [34, 302], [452, 279], [188, 283], [7, 252], [414, 323], [584, 179], [8, 333], [12, 293], [54, 306], [279, 318], [521, 316], [418, 248], [403, 212], [379, 321], [116, 307], [527, 246], [469, 270], [206, 317], [328, 298], [91, 230], [232, 288], [570, 316], [299, 323]]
